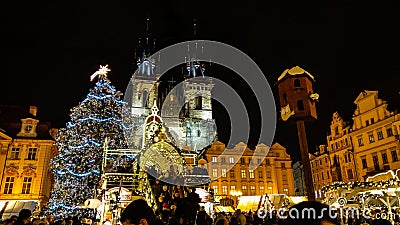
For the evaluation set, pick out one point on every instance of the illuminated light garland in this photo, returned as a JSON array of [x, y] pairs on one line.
[[85, 145], [99, 120], [104, 97], [82, 174], [394, 182]]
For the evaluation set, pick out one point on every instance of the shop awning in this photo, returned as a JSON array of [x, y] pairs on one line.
[[12, 207], [247, 203], [224, 209]]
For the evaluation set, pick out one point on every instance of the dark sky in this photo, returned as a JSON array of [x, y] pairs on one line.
[[50, 50]]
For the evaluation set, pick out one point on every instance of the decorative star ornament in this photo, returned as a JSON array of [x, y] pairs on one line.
[[101, 72]]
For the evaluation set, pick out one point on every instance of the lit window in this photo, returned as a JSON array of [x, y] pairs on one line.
[[233, 188], [26, 185], [360, 142], [224, 190], [244, 190], [243, 173], [286, 191], [269, 190], [231, 160], [215, 190], [251, 173], [214, 159], [223, 173], [261, 190], [371, 138], [8, 186], [380, 135], [32, 153], [14, 153], [252, 190], [214, 172]]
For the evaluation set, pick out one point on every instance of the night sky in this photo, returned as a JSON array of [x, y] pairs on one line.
[[50, 51]]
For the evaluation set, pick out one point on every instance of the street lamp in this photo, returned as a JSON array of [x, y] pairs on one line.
[[236, 194]]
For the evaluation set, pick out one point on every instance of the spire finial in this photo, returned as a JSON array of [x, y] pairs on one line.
[[154, 109], [147, 24], [194, 28]]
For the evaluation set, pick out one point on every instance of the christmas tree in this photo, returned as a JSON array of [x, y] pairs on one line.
[[77, 167]]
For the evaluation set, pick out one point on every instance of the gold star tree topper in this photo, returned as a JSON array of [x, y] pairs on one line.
[[101, 72]]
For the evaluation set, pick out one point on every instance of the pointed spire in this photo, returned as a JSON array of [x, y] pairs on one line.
[[147, 25], [154, 109], [194, 28]]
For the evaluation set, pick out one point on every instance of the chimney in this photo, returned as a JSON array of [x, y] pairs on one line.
[[33, 110]]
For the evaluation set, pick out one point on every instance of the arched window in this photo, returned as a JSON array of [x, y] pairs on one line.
[[300, 105], [284, 98], [296, 83], [145, 96], [198, 102]]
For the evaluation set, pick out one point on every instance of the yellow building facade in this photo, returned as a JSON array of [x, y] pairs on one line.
[[367, 147], [375, 136], [320, 169], [230, 171], [26, 147]]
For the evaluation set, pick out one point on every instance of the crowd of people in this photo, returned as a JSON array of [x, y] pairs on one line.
[[25, 217], [178, 205], [185, 210], [139, 213]]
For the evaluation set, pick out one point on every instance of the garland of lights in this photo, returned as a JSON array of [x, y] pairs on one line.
[[393, 182], [77, 167]]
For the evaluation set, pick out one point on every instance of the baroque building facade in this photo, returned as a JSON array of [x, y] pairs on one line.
[[375, 136], [26, 147], [229, 169], [367, 147]]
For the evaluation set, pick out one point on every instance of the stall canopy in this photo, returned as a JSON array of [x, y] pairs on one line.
[[13, 207], [223, 209], [247, 203]]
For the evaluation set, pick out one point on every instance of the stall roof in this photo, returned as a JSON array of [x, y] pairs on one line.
[[14, 206]]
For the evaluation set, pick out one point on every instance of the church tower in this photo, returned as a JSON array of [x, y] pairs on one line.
[[197, 91], [145, 79]]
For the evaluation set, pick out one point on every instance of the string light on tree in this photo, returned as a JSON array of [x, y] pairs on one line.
[[77, 167]]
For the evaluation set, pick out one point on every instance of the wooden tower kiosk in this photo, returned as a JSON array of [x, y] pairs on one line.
[[297, 100]]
